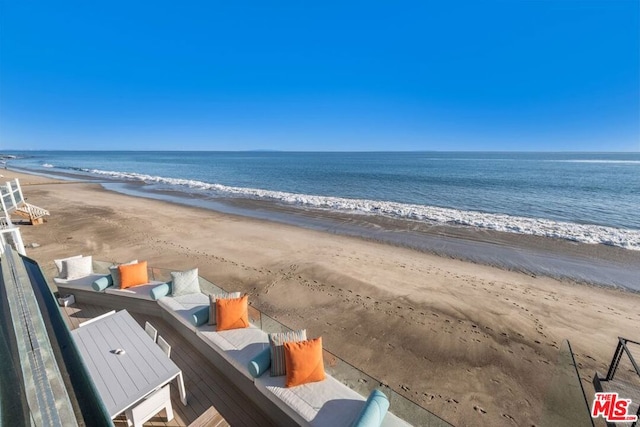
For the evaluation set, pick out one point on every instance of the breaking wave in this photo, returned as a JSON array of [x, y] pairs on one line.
[[585, 233]]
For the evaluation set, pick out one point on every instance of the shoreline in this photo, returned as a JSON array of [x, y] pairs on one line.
[[558, 258], [591, 264], [478, 336], [507, 220]]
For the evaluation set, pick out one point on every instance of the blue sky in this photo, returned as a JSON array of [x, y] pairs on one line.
[[481, 75]]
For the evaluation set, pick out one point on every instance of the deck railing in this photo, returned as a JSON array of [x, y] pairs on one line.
[[358, 380], [565, 402], [42, 381], [351, 376], [621, 350]]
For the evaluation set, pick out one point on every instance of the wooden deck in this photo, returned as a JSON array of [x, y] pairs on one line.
[[213, 400]]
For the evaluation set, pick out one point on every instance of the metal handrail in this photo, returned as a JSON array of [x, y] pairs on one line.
[[617, 356]]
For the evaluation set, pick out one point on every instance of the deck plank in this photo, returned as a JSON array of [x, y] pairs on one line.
[[207, 390]]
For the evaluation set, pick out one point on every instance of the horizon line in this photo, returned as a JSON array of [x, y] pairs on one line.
[[323, 151]]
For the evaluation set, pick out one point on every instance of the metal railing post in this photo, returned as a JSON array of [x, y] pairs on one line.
[[615, 361], [633, 361]]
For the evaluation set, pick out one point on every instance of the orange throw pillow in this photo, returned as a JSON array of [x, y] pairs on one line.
[[133, 275], [303, 361], [232, 313]]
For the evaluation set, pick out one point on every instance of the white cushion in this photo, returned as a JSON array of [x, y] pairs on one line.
[[78, 267], [62, 272], [184, 306], [83, 283], [324, 403], [238, 346], [184, 282], [140, 291]]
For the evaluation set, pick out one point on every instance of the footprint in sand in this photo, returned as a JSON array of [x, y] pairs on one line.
[[479, 410], [510, 418], [429, 397]]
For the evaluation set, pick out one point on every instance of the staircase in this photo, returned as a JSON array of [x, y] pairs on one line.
[[13, 202], [623, 378], [33, 213]]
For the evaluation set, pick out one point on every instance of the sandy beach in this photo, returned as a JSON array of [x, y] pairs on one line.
[[474, 344]]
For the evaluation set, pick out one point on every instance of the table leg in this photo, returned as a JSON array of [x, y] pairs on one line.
[[183, 393]]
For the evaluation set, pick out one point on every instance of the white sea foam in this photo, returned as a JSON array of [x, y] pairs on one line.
[[585, 233], [621, 162], [47, 165]]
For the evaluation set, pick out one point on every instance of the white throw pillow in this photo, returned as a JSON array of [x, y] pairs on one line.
[[78, 267], [185, 282], [62, 271]]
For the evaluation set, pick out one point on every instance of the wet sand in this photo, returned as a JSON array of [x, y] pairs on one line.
[[534, 255], [475, 344]]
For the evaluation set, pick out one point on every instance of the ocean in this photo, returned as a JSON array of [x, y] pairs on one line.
[[591, 198]]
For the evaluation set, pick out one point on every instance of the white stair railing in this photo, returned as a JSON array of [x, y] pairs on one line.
[[13, 201]]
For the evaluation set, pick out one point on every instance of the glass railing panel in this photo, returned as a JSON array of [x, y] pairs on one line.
[[364, 384], [272, 326], [255, 317], [347, 374], [565, 403], [209, 287], [101, 267], [159, 274]]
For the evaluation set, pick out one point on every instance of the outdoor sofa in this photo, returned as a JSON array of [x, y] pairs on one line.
[[325, 403]]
